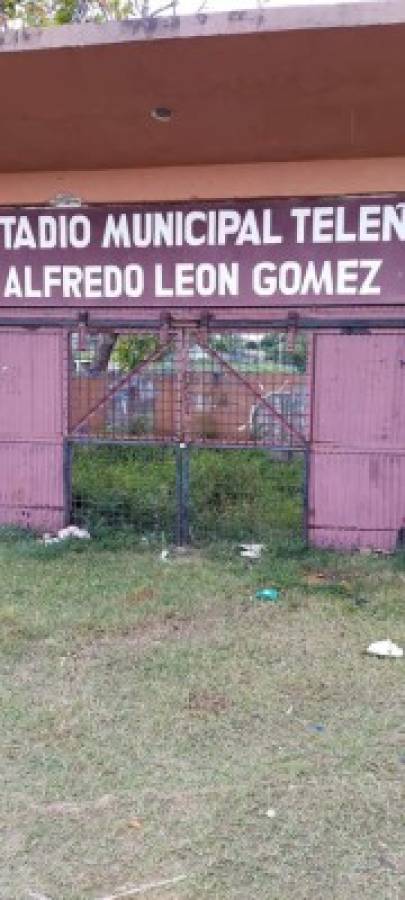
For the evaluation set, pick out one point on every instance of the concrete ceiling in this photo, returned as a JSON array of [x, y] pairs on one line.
[[286, 84]]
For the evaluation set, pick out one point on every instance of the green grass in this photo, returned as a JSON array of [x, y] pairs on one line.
[[120, 486], [136, 692]]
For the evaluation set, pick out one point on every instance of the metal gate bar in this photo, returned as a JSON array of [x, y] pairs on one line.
[[182, 495]]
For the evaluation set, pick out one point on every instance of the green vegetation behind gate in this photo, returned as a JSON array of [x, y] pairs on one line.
[[152, 714], [234, 494]]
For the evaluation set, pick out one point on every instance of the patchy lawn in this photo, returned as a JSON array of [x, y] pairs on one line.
[[154, 713]]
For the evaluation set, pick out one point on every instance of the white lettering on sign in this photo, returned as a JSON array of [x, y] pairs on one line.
[[74, 282], [204, 280], [227, 254], [329, 224], [195, 228], [17, 232], [346, 277]]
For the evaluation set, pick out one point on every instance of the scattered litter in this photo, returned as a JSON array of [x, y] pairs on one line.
[[289, 710], [269, 594], [251, 551], [72, 531], [164, 555], [271, 813], [250, 554], [316, 728], [385, 648], [135, 823], [64, 534]]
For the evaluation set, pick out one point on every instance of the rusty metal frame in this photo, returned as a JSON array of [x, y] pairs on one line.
[[179, 341], [303, 323]]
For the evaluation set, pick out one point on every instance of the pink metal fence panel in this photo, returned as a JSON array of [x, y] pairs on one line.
[[360, 384], [357, 499], [357, 487], [32, 484], [30, 385], [31, 432]]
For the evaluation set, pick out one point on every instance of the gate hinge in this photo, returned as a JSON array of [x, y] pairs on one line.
[[205, 323], [292, 329], [165, 326]]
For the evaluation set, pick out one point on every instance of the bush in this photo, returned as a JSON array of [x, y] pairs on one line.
[[234, 495], [124, 486], [245, 494]]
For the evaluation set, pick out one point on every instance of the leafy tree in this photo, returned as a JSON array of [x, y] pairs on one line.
[[30, 12], [61, 12], [299, 354], [132, 349], [227, 343], [296, 355]]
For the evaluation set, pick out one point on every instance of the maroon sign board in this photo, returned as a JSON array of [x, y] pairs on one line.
[[225, 255]]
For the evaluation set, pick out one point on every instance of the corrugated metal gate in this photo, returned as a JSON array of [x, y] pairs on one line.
[[32, 427], [189, 393], [357, 495]]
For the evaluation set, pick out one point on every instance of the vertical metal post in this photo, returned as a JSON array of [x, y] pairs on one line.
[[67, 480], [182, 495], [181, 360], [185, 505], [179, 478], [305, 496]]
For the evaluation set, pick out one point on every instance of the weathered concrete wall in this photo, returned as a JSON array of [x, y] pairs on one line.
[[312, 178]]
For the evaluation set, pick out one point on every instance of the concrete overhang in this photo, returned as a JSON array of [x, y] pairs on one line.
[[288, 84]]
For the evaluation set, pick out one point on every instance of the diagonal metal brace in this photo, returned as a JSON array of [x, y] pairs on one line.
[[153, 357], [266, 403]]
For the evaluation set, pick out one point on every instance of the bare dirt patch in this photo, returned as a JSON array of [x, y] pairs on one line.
[[202, 702]]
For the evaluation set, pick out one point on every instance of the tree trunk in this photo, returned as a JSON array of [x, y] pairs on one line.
[[102, 358]]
